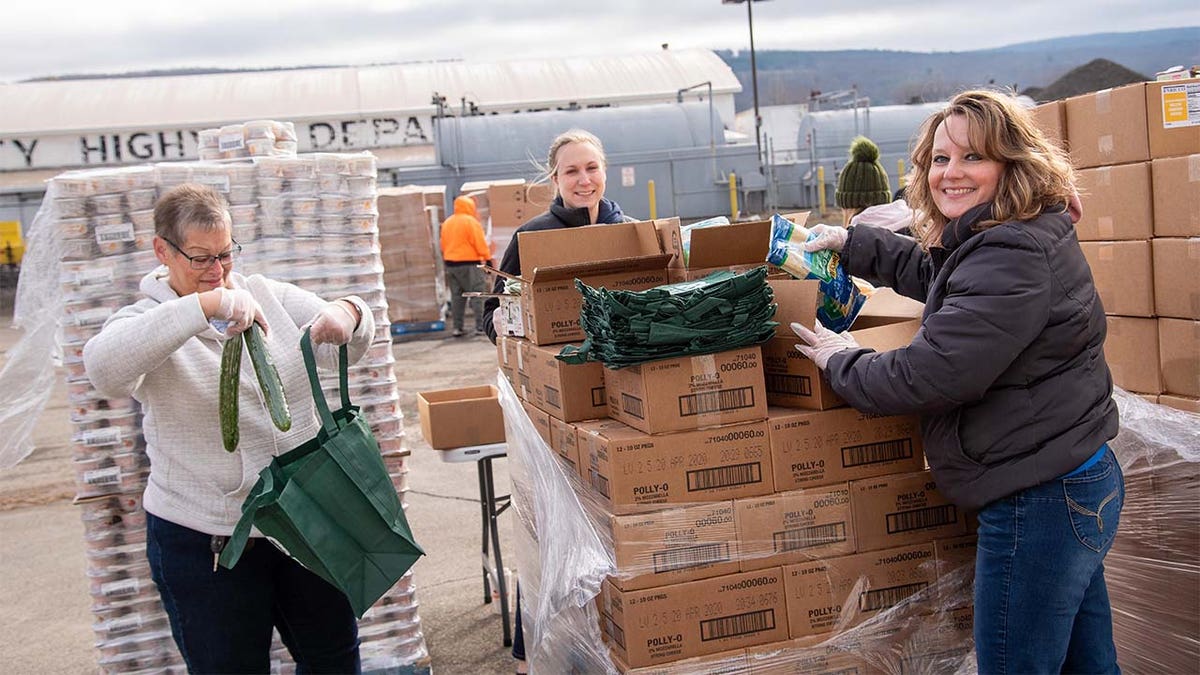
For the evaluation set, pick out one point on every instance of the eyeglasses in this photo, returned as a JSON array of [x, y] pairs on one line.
[[203, 262]]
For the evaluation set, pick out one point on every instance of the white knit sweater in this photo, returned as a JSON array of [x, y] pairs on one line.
[[162, 351]]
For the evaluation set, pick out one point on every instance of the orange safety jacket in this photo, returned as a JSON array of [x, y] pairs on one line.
[[462, 235]]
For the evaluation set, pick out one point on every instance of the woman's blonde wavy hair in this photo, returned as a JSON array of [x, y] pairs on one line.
[[1037, 173]]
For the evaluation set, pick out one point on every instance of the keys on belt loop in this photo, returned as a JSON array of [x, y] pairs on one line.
[[217, 544]]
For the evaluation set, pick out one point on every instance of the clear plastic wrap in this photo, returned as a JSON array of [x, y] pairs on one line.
[[564, 546]]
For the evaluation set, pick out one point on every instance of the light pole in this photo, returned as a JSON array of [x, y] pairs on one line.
[[753, 75]]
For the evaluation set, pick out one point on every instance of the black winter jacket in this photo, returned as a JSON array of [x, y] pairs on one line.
[[1007, 369], [558, 217]]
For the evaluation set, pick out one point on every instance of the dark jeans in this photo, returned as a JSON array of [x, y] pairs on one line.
[[1041, 605], [222, 620], [466, 278]]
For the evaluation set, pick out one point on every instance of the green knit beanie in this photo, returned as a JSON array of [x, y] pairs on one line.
[[863, 182]]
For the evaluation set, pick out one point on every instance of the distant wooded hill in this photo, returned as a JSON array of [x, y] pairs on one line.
[[888, 77]]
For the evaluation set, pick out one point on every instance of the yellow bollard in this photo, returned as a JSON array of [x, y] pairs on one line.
[[900, 173], [821, 189], [733, 205], [653, 204]]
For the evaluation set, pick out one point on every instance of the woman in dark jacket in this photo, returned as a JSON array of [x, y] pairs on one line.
[[1007, 373], [575, 166]]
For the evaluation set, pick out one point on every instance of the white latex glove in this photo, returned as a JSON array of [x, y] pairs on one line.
[[894, 216], [829, 237], [334, 324], [822, 344], [240, 309]]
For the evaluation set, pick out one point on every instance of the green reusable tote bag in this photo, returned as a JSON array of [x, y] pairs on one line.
[[330, 504]]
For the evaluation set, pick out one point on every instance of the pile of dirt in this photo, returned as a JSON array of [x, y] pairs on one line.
[[1092, 76]]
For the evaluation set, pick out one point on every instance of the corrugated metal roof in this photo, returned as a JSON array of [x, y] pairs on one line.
[[193, 100]]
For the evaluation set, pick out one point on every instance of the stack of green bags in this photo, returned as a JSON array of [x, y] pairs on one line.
[[722, 311]]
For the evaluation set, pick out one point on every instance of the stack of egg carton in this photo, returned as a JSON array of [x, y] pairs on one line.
[[310, 220]]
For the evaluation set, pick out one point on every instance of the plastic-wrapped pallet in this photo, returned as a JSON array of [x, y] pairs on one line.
[[913, 618], [310, 220]]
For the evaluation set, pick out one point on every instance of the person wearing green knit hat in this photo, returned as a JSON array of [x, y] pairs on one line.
[[862, 182]]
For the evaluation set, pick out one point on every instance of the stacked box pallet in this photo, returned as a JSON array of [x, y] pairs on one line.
[[1137, 152], [309, 220], [742, 536], [411, 253]]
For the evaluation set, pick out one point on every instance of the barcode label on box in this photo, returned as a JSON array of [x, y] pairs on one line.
[[632, 405], [722, 400], [231, 142], [599, 483], [920, 519], [691, 556], [876, 453], [92, 317], [103, 436], [598, 397], [738, 624], [111, 234], [118, 588], [553, 398], [796, 385], [122, 625], [724, 476], [109, 476], [614, 631], [101, 275], [882, 598], [807, 537], [218, 183]]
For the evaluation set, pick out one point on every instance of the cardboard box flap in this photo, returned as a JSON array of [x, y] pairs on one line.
[[736, 244], [887, 335], [885, 302], [585, 269], [795, 300], [574, 245]]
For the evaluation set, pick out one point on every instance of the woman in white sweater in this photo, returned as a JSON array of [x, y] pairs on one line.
[[165, 351]]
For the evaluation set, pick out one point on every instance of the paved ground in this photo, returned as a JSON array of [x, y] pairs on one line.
[[44, 602]]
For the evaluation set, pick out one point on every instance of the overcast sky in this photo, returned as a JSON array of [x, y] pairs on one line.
[[46, 37]]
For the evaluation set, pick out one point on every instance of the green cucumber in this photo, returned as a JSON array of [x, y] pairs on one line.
[[231, 369], [268, 378]]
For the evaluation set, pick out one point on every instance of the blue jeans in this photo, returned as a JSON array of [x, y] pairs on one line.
[[222, 620], [1041, 605]]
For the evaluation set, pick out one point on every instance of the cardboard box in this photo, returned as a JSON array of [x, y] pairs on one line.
[[506, 358], [1179, 354], [902, 509], [1051, 118], [634, 472], [937, 644], [1123, 275], [793, 381], [732, 662], [622, 256], [674, 545], [587, 473], [569, 392], [689, 392], [956, 570], [737, 246], [1117, 203], [1173, 118], [541, 422], [1131, 350], [810, 449], [1177, 277], [1108, 127], [1183, 403], [696, 618], [565, 442], [807, 656], [456, 418], [1176, 184], [795, 526], [822, 594]]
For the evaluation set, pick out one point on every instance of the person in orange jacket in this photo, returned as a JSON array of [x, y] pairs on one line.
[[463, 249]]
